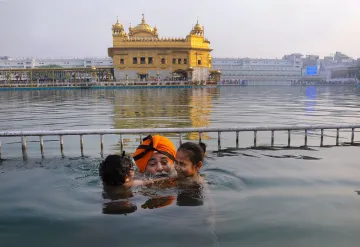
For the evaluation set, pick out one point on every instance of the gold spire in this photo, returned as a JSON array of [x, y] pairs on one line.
[[143, 27], [198, 27], [143, 19]]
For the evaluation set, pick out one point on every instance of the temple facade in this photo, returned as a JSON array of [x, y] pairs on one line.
[[140, 54]]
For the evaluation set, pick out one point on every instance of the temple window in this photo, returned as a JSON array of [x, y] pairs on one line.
[[142, 60], [179, 61], [185, 61], [163, 61], [199, 62], [135, 60], [150, 60], [121, 61], [174, 61]]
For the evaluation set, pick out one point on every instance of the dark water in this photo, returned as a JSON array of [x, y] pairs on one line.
[[262, 197]]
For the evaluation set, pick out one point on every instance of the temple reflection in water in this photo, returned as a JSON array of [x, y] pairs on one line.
[[165, 109]]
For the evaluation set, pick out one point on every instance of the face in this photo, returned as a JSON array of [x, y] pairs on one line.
[[158, 164], [184, 166]]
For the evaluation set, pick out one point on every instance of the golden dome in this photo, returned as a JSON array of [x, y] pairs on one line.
[[198, 27], [142, 27], [118, 25]]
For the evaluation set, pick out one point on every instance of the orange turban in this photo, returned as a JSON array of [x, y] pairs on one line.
[[151, 144]]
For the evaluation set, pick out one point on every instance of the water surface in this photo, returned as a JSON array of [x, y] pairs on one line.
[[262, 197]]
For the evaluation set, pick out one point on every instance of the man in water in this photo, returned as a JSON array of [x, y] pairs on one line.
[[155, 156]]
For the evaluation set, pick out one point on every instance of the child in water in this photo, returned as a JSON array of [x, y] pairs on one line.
[[118, 171], [189, 160], [117, 175]]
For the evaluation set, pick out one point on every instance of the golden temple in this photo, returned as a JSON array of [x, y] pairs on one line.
[[141, 54], [138, 55]]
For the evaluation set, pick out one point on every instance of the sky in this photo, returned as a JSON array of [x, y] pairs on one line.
[[235, 28]]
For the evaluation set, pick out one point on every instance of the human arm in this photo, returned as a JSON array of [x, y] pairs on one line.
[[149, 182]]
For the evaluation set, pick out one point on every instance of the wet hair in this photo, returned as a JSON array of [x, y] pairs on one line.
[[114, 169], [203, 146], [196, 152]]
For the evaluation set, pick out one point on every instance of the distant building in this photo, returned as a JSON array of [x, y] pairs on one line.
[[249, 71], [5, 58], [339, 57], [26, 63]]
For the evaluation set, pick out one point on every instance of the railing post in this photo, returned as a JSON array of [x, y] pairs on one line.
[[255, 138], [101, 144], [337, 137], [272, 138], [121, 143], [41, 145], [352, 136], [141, 138], [200, 137], [306, 138], [82, 145], [219, 140], [237, 139], [289, 138], [180, 138], [62, 145], [322, 138], [23, 145]]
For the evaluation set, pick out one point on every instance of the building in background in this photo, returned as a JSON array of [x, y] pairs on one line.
[[234, 71], [140, 54], [250, 71]]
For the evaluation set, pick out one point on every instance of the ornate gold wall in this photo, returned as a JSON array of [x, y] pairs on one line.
[[142, 54]]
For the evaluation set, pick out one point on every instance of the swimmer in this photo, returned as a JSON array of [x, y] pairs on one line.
[[117, 175], [117, 171], [189, 160], [155, 156]]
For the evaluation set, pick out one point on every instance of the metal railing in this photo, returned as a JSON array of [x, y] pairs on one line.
[[180, 131]]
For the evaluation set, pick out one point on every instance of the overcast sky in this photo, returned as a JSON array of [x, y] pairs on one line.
[[236, 28]]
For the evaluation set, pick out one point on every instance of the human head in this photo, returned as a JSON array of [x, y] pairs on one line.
[[115, 169], [189, 159], [155, 155]]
